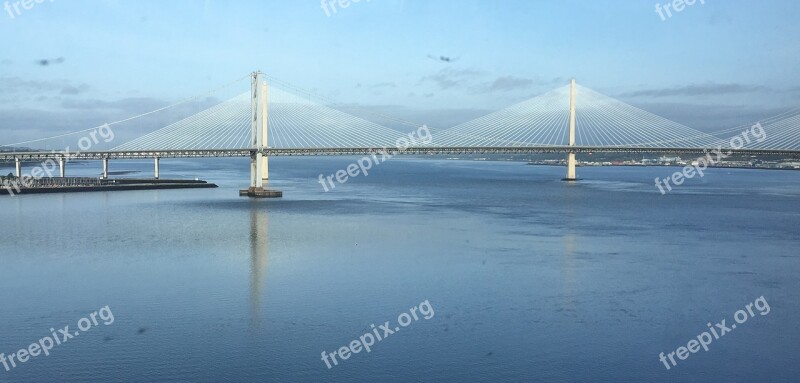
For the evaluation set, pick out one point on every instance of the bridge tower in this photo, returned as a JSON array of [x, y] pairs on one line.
[[571, 162], [259, 163]]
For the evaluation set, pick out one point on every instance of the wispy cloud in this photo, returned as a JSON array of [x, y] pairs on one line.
[[401, 117], [384, 85], [511, 83], [12, 85], [506, 84], [381, 87], [16, 85], [449, 78], [711, 117], [475, 81], [126, 104], [70, 90], [707, 89]]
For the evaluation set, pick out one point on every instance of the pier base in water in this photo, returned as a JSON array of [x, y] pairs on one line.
[[258, 192]]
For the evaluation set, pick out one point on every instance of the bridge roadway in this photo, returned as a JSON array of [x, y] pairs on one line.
[[430, 150]]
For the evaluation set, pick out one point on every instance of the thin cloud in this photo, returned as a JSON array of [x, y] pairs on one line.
[[506, 84], [379, 88], [70, 90], [708, 89], [449, 78], [512, 83], [17, 85], [399, 117], [384, 85], [20, 124], [131, 105], [710, 117]]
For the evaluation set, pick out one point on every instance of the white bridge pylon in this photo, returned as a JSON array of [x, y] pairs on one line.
[[259, 134], [259, 164]]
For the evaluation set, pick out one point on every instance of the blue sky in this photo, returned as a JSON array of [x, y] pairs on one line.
[[710, 66]]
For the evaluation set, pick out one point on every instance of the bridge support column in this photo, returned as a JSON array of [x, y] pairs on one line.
[[571, 161], [259, 163], [157, 164], [18, 167], [265, 170], [62, 167], [256, 170], [105, 168], [264, 142]]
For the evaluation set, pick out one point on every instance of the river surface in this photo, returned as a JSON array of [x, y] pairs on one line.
[[522, 277]]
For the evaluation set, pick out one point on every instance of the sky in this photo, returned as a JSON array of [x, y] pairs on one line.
[[68, 64]]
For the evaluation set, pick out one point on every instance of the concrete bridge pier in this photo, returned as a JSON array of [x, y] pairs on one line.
[[62, 167], [105, 168], [157, 165], [256, 170], [265, 170], [18, 167], [571, 162]]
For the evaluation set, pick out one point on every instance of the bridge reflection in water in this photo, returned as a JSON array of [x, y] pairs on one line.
[[259, 258]]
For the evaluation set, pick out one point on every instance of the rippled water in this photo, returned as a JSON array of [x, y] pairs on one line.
[[530, 278]]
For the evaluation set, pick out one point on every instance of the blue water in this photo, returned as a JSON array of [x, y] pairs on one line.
[[530, 278]]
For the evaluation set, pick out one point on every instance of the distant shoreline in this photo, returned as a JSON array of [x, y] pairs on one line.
[[666, 166]]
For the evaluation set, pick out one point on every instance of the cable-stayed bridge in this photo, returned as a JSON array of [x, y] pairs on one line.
[[280, 120]]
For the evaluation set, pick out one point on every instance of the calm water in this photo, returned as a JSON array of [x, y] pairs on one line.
[[530, 278]]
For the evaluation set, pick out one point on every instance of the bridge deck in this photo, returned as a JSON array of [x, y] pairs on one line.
[[282, 152]]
